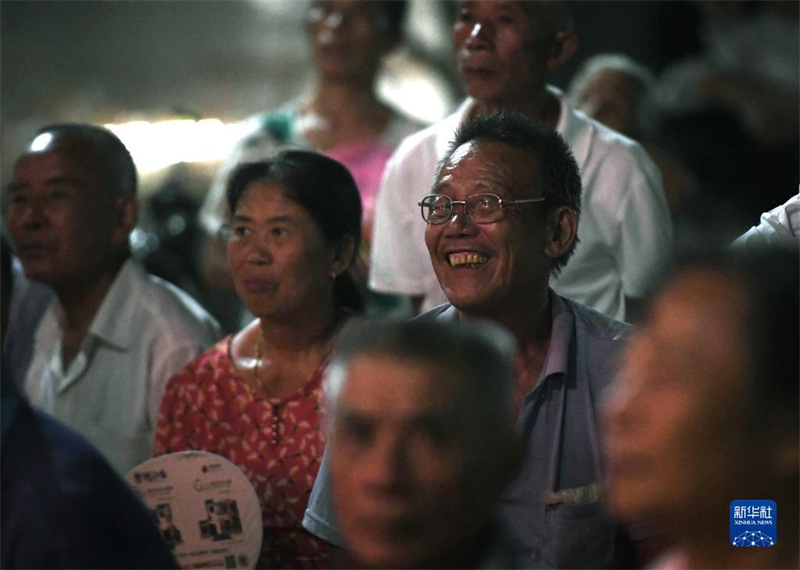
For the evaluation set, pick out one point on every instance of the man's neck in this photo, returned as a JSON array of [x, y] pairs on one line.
[[543, 107], [336, 97], [530, 323], [80, 303], [531, 326], [300, 335]]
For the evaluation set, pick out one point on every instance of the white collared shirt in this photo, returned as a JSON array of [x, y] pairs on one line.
[[625, 229], [781, 225], [144, 332]]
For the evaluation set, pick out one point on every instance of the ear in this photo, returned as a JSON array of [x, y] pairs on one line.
[[127, 211], [343, 254], [562, 231], [564, 45]]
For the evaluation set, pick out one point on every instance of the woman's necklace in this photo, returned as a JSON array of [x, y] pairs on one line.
[[258, 382], [257, 367]]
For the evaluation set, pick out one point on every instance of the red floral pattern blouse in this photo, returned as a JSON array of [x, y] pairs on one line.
[[276, 442]]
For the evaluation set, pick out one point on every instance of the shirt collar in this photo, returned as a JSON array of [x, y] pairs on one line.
[[563, 327], [110, 322], [50, 325], [565, 120], [572, 126], [117, 309], [450, 124]]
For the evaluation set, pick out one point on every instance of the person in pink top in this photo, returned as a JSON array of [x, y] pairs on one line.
[[341, 116], [255, 397]]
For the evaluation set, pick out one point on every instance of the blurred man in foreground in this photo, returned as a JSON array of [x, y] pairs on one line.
[[422, 444]]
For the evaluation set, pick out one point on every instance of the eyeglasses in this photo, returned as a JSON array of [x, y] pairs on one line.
[[359, 15], [480, 208]]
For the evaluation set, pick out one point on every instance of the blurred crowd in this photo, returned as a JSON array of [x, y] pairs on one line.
[[426, 346]]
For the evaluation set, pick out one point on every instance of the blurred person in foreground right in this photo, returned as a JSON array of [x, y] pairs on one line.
[[706, 411]]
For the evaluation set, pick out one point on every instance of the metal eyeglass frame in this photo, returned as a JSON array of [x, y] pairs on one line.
[[502, 203]]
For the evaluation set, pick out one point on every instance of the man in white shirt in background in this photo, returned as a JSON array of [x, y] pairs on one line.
[[505, 49], [779, 226], [105, 349]]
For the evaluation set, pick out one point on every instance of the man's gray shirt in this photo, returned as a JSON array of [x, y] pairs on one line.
[[552, 508]]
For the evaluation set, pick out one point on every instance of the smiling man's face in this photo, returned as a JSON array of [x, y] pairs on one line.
[[488, 269]]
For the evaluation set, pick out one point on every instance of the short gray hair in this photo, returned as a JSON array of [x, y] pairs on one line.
[[626, 66], [478, 352], [113, 161]]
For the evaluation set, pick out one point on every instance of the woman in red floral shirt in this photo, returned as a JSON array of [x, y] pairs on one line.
[[255, 397]]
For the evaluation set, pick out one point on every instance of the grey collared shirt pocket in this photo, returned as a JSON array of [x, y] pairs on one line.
[[588, 525]]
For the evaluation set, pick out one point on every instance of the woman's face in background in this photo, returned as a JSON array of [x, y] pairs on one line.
[[348, 38], [280, 261]]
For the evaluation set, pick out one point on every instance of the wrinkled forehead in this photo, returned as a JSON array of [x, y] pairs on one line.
[[492, 163], [707, 290], [435, 384], [543, 14], [65, 157], [383, 384], [419, 375]]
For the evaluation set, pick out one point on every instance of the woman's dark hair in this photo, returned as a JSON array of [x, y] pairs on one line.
[[325, 188]]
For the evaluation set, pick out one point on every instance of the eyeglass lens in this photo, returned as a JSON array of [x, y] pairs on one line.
[[481, 208]]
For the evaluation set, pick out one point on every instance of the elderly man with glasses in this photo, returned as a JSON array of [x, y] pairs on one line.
[[505, 52], [501, 219]]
